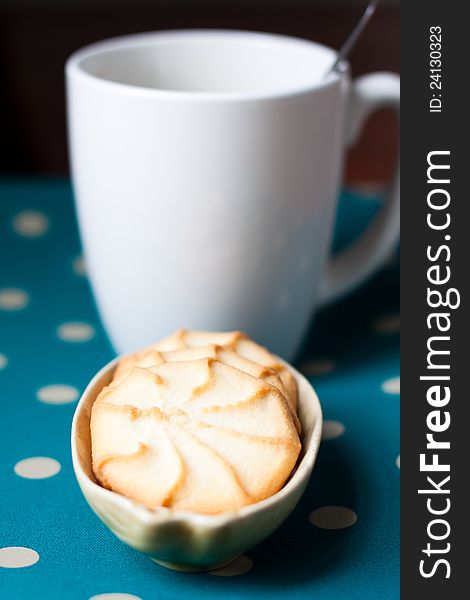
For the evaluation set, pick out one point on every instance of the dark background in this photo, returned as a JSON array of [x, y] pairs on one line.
[[424, 132], [37, 36]]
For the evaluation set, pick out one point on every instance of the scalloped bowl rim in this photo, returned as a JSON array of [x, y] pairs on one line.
[[163, 514]]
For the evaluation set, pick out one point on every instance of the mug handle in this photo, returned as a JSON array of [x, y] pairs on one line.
[[365, 255]]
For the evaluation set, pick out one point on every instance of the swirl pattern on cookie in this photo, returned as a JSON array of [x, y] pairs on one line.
[[196, 435], [233, 348]]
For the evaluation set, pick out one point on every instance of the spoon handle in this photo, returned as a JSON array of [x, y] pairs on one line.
[[354, 35]]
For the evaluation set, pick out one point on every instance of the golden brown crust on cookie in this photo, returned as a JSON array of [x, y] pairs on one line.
[[233, 348], [196, 435]]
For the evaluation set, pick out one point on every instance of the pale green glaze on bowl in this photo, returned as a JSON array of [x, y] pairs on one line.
[[182, 540]]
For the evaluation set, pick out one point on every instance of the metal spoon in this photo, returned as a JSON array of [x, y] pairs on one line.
[[354, 36]]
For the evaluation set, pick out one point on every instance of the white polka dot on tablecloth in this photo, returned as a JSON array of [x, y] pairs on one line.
[[79, 266], [332, 430], [13, 299], [3, 361], [318, 367], [391, 386], [75, 331], [57, 394], [239, 566], [397, 462], [37, 467], [16, 557], [387, 324], [332, 517], [115, 596], [30, 223]]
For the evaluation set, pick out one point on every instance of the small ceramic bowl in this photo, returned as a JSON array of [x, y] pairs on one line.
[[182, 540]]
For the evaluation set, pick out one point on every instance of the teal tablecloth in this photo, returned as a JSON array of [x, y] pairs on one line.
[[51, 343]]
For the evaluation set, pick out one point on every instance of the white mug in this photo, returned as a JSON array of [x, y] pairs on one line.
[[206, 167]]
